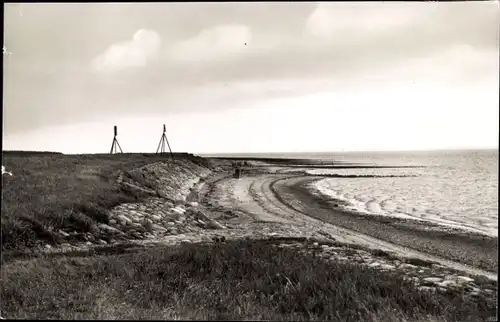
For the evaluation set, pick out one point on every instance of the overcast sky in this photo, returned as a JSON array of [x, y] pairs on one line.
[[251, 77]]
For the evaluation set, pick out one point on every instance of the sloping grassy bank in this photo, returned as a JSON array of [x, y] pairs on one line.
[[52, 192], [236, 280]]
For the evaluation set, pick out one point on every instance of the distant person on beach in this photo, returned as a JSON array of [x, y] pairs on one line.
[[237, 171]]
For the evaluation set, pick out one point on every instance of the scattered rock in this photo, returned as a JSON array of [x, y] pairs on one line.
[[156, 217], [432, 279], [464, 279], [124, 220], [63, 233], [159, 228], [178, 210], [108, 228], [387, 266], [405, 265], [446, 283]]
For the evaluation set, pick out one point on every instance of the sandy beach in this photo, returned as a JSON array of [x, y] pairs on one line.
[[283, 198]]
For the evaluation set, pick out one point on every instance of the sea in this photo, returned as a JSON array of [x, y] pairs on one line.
[[456, 188]]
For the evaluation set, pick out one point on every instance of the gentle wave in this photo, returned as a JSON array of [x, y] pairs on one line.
[[456, 190], [403, 198]]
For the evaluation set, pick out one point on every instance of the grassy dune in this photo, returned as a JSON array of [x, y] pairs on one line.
[[234, 280], [52, 192]]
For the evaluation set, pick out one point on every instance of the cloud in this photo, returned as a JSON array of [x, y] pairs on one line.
[[329, 19], [138, 52], [216, 43]]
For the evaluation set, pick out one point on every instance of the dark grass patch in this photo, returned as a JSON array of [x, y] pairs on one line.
[[233, 280]]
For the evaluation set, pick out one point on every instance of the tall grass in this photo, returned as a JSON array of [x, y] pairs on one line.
[[236, 280]]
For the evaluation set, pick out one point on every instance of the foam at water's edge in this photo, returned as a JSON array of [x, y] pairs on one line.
[[385, 207]]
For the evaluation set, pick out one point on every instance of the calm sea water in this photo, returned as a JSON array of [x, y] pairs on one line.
[[456, 188]]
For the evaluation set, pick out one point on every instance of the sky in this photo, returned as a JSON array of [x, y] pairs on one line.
[[251, 77]]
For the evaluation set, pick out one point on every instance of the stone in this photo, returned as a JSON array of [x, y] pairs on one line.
[[88, 243], [178, 210], [156, 217], [446, 283], [386, 266], [374, 264], [432, 279], [102, 242], [112, 222], [171, 223], [124, 220], [159, 228], [108, 228], [405, 265], [464, 279], [48, 246], [65, 234]]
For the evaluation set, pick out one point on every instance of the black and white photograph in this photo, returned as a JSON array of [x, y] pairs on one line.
[[272, 160]]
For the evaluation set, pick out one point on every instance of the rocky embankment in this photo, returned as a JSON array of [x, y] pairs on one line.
[[164, 210]]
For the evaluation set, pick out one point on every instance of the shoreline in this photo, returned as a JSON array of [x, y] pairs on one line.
[[200, 207], [464, 247]]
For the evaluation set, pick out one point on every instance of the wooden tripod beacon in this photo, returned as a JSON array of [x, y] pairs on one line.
[[115, 143], [164, 140]]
